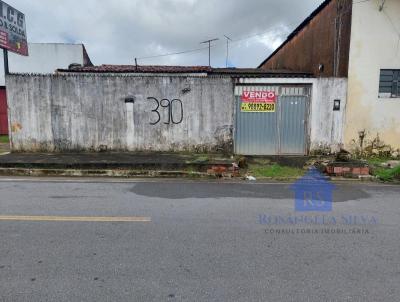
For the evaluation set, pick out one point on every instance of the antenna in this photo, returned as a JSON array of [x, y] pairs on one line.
[[227, 49], [209, 49]]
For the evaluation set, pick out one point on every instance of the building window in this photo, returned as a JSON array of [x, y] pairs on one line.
[[389, 83]]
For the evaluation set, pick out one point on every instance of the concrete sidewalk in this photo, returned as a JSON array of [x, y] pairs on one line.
[[113, 160], [110, 164]]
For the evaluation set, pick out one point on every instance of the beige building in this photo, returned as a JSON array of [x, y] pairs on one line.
[[373, 107]]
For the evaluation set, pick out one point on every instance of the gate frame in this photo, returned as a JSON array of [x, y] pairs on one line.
[[309, 83]]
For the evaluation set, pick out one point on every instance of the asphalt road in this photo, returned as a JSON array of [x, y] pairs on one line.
[[191, 241]]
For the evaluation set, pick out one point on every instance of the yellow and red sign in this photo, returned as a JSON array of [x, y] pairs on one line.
[[258, 101]]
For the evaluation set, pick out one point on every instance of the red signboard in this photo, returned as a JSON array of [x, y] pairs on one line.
[[258, 97], [12, 30], [258, 101]]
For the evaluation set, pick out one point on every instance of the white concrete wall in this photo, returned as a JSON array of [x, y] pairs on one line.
[[375, 45], [90, 113], [325, 126], [43, 58]]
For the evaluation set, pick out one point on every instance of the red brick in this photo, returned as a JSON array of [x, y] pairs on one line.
[[338, 170]]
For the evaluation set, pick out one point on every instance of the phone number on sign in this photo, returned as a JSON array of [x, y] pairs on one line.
[[258, 107]]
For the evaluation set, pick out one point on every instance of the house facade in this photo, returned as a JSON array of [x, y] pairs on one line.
[[356, 41], [173, 108]]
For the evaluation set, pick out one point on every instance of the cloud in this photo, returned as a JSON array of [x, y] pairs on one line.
[[115, 32]]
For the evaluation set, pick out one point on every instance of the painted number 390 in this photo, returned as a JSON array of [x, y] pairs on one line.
[[166, 104]]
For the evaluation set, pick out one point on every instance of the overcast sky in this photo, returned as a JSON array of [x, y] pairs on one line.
[[117, 31]]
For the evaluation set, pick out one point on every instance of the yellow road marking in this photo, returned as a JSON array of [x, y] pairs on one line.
[[72, 218]]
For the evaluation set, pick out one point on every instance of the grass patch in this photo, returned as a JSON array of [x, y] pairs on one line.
[[201, 159], [383, 173], [4, 139], [274, 171], [387, 174], [377, 161]]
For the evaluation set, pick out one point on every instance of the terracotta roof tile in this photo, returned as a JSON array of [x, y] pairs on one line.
[[162, 69], [138, 69]]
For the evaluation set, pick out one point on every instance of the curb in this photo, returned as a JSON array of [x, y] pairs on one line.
[[371, 179], [130, 173], [127, 173], [275, 179], [101, 173]]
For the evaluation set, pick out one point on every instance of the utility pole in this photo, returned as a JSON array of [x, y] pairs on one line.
[[227, 49], [209, 49], [5, 55]]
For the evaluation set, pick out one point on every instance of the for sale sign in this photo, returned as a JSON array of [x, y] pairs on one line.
[[12, 30], [258, 101]]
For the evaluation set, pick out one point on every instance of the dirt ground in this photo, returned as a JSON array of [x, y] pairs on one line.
[[4, 147]]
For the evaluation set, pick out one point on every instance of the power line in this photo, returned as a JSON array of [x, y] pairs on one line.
[[173, 53], [263, 33], [289, 25], [204, 48], [234, 40]]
